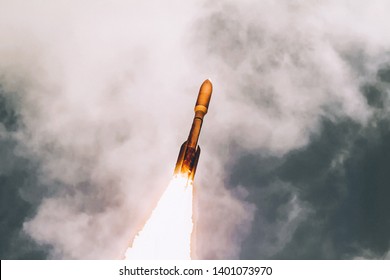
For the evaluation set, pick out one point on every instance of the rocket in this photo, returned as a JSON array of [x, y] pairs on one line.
[[189, 152]]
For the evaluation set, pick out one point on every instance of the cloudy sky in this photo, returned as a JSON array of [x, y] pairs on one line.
[[96, 98]]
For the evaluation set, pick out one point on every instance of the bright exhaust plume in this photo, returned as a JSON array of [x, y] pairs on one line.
[[167, 233]]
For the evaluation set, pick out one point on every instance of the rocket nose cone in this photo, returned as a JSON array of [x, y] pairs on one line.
[[206, 87], [202, 103]]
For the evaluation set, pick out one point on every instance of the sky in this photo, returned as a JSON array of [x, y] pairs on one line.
[[96, 99]]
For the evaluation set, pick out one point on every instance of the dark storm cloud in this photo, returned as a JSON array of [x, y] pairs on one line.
[[19, 191], [347, 202]]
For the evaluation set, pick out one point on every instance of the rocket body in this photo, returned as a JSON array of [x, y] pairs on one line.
[[187, 160]]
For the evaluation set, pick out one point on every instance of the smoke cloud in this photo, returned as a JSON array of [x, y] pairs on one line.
[[96, 99]]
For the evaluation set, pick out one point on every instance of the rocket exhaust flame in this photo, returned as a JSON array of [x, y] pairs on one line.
[[167, 234]]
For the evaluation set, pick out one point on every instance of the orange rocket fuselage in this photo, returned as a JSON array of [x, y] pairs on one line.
[[187, 160]]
